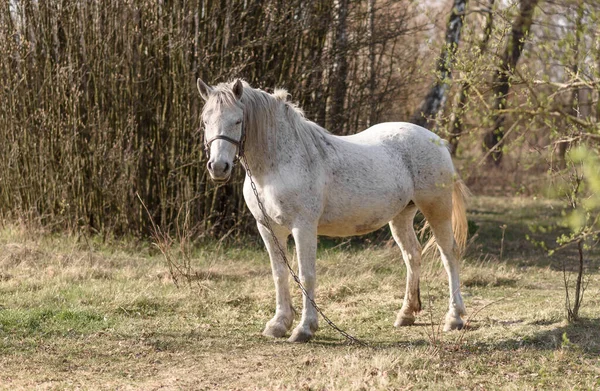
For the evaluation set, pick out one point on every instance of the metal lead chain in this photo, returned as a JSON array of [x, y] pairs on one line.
[[351, 339]]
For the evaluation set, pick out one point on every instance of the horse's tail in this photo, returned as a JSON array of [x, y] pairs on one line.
[[460, 226]]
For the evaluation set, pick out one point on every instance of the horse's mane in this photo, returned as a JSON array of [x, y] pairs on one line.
[[261, 111]]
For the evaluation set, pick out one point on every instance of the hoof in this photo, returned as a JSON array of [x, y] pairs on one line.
[[402, 321], [453, 324], [274, 330], [300, 336]]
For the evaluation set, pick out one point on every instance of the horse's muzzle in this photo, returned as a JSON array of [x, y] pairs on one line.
[[219, 170]]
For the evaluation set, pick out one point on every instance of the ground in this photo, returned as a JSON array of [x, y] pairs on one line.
[[76, 313]]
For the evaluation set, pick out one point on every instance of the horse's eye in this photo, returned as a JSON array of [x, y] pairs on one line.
[[239, 121]]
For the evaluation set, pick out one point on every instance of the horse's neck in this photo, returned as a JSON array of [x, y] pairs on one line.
[[280, 146]]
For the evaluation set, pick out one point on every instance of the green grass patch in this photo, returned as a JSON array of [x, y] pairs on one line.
[[47, 321]]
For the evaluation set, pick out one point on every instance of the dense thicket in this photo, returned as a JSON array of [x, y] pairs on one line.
[[98, 98]]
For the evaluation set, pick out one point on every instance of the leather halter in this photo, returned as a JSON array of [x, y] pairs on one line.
[[238, 143]]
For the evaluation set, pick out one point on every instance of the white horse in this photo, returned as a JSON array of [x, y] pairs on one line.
[[314, 183]]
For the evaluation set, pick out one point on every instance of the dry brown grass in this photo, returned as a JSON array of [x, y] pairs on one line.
[[79, 314]]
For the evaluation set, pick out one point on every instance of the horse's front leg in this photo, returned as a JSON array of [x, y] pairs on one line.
[[284, 313], [306, 246]]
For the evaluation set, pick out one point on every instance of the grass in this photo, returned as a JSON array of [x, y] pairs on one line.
[[79, 314]]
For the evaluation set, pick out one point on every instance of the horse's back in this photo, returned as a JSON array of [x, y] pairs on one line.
[[392, 129], [374, 174], [424, 154]]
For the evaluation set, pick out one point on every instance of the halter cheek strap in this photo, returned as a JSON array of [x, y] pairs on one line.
[[238, 143]]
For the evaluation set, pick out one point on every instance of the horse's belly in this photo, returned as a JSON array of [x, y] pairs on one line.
[[351, 227], [349, 218]]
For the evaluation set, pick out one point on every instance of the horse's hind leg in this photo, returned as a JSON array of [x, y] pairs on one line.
[[404, 235], [438, 213], [284, 315]]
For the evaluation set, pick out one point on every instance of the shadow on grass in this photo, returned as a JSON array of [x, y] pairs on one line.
[[378, 344], [583, 336], [233, 276], [488, 280]]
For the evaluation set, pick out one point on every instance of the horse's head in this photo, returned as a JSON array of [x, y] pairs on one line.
[[223, 118]]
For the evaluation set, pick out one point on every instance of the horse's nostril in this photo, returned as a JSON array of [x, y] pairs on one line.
[[226, 167], [210, 166]]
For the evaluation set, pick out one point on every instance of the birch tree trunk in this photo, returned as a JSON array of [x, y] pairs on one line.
[[436, 98]]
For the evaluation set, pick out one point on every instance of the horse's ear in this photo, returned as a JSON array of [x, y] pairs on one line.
[[203, 89], [238, 89]]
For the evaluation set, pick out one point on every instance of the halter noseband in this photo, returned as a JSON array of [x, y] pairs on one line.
[[238, 143]]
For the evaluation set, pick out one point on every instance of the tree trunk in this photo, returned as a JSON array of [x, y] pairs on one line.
[[456, 122], [501, 83], [340, 69], [317, 90], [436, 98], [372, 71]]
